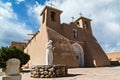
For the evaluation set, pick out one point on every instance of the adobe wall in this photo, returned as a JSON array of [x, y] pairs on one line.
[[95, 56], [63, 52], [19, 45], [37, 47], [93, 53], [67, 31], [47, 18], [114, 56]]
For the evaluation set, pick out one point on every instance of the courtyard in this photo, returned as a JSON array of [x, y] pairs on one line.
[[100, 73]]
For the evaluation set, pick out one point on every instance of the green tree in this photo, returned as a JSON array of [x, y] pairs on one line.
[[12, 52]]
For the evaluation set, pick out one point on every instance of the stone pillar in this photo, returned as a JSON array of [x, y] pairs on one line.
[[12, 70]]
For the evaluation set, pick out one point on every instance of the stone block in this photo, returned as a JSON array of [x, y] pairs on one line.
[[49, 71], [15, 77]]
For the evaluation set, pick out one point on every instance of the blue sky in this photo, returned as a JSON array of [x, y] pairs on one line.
[[21, 17]]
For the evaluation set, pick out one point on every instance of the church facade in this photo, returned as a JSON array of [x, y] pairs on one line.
[[73, 44]]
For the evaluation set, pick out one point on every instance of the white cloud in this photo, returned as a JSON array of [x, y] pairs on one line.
[[10, 28], [34, 11], [6, 11], [109, 47], [19, 1], [104, 14]]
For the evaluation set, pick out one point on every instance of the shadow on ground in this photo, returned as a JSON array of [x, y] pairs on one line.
[[73, 75], [70, 75]]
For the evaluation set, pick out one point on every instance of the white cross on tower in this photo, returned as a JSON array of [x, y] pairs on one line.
[[51, 3], [72, 18], [80, 14]]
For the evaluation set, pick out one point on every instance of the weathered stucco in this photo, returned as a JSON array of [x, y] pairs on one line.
[[36, 47]]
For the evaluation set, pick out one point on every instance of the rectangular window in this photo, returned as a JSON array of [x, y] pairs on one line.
[[85, 25], [53, 16], [75, 34]]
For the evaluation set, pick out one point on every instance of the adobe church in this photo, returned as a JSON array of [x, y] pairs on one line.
[[72, 44]]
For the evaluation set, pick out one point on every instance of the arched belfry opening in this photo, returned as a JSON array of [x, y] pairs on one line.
[[79, 53], [84, 23], [53, 16]]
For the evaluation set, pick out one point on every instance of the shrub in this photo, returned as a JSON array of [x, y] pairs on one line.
[[12, 52]]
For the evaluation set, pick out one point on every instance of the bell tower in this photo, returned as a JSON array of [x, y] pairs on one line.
[[51, 17], [84, 23]]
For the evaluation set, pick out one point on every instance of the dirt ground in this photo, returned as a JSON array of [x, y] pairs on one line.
[[102, 73]]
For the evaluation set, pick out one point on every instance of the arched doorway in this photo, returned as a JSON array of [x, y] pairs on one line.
[[79, 53]]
